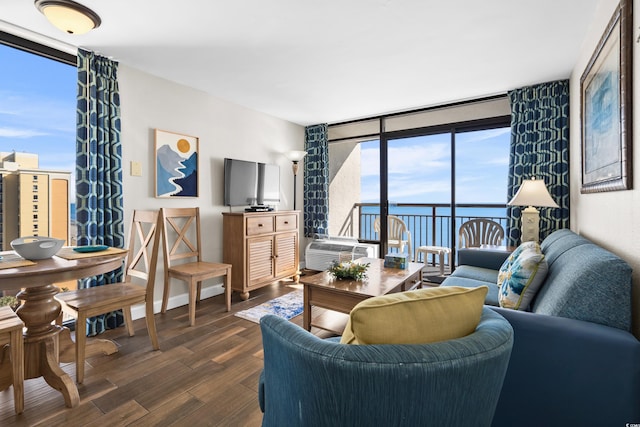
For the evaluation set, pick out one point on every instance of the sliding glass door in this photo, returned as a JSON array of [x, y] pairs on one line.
[[418, 185], [431, 168]]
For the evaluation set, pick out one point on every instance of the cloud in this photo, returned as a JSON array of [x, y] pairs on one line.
[[420, 168], [6, 132], [408, 159], [34, 111], [483, 135]]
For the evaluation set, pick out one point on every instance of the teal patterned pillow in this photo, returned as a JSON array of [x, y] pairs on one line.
[[523, 247], [520, 280]]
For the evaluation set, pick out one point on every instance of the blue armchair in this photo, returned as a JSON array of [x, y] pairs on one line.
[[308, 381]]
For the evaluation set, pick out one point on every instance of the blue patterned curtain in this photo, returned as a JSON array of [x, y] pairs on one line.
[[99, 207], [540, 149], [316, 180]]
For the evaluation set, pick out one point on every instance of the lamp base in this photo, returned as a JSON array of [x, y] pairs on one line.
[[530, 225]]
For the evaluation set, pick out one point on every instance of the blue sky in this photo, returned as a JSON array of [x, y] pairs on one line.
[[420, 168], [37, 108]]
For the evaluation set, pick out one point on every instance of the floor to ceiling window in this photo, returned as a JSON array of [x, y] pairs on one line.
[[37, 141], [433, 169]]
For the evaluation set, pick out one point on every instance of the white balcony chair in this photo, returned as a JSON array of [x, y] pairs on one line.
[[398, 235]]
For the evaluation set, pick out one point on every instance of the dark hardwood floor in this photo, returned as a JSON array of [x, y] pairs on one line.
[[202, 375]]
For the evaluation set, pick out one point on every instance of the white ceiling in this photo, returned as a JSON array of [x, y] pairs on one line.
[[325, 61]]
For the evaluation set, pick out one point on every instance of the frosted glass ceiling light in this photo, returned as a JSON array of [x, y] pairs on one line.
[[69, 16]]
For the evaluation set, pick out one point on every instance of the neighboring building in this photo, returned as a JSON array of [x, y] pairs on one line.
[[33, 201]]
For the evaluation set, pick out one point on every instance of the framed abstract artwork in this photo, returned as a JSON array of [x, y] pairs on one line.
[[605, 89], [176, 158]]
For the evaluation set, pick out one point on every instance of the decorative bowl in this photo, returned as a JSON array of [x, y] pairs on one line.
[[36, 247]]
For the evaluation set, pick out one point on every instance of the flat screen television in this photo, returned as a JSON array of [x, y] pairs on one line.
[[250, 183], [268, 184]]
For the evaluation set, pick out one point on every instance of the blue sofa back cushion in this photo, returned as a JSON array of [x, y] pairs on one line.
[[559, 242], [585, 282]]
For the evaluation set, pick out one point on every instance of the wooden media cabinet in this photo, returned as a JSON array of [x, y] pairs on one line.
[[262, 247]]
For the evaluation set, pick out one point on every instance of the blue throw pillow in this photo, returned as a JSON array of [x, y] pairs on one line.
[[523, 247], [520, 279]]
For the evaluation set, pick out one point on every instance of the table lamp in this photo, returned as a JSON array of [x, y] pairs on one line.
[[532, 193], [295, 157]]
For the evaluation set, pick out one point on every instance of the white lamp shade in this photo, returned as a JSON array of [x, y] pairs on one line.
[[533, 192], [296, 156]]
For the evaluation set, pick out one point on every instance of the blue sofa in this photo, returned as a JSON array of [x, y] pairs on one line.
[[308, 381], [574, 361]]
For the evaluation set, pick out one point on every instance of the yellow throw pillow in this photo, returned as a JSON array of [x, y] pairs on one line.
[[416, 317]]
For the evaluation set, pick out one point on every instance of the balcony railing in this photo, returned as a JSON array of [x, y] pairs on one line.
[[429, 224]]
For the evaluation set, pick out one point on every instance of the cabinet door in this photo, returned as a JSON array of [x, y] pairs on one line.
[[260, 252], [286, 252]]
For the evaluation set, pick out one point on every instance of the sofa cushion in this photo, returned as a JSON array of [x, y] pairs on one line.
[[560, 241], [416, 317], [476, 273], [521, 276], [468, 281], [587, 282]]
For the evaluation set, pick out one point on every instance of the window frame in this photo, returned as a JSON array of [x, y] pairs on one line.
[[29, 46], [383, 136]]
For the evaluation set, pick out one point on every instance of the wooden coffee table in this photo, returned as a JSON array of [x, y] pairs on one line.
[[323, 290]]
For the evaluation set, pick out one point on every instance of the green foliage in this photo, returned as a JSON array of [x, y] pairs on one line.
[[348, 270], [9, 300]]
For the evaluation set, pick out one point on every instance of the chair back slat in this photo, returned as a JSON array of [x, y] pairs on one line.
[[480, 231], [143, 246], [181, 234]]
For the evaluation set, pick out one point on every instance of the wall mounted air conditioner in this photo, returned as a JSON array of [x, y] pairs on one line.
[[319, 254]]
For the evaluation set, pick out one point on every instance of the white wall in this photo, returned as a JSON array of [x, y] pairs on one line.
[[344, 187], [607, 218], [224, 129]]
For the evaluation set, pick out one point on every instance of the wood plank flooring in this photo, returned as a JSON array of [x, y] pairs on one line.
[[205, 375]]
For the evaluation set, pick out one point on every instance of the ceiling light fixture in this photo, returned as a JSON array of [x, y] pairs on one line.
[[69, 16]]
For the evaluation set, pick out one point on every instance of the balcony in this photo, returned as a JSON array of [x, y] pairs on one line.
[[429, 224]]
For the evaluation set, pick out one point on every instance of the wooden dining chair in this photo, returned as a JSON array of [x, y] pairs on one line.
[[183, 257], [11, 335], [141, 266]]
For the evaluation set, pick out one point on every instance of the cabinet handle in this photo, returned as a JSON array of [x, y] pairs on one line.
[[286, 222], [259, 225]]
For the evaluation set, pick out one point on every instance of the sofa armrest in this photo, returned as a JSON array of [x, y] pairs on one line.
[[565, 370], [491, 259]]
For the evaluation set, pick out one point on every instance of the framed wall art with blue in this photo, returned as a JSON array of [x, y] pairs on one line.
[[176, 158], [606, 92]]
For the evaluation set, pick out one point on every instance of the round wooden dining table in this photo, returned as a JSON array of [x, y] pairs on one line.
[[43, 341]]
